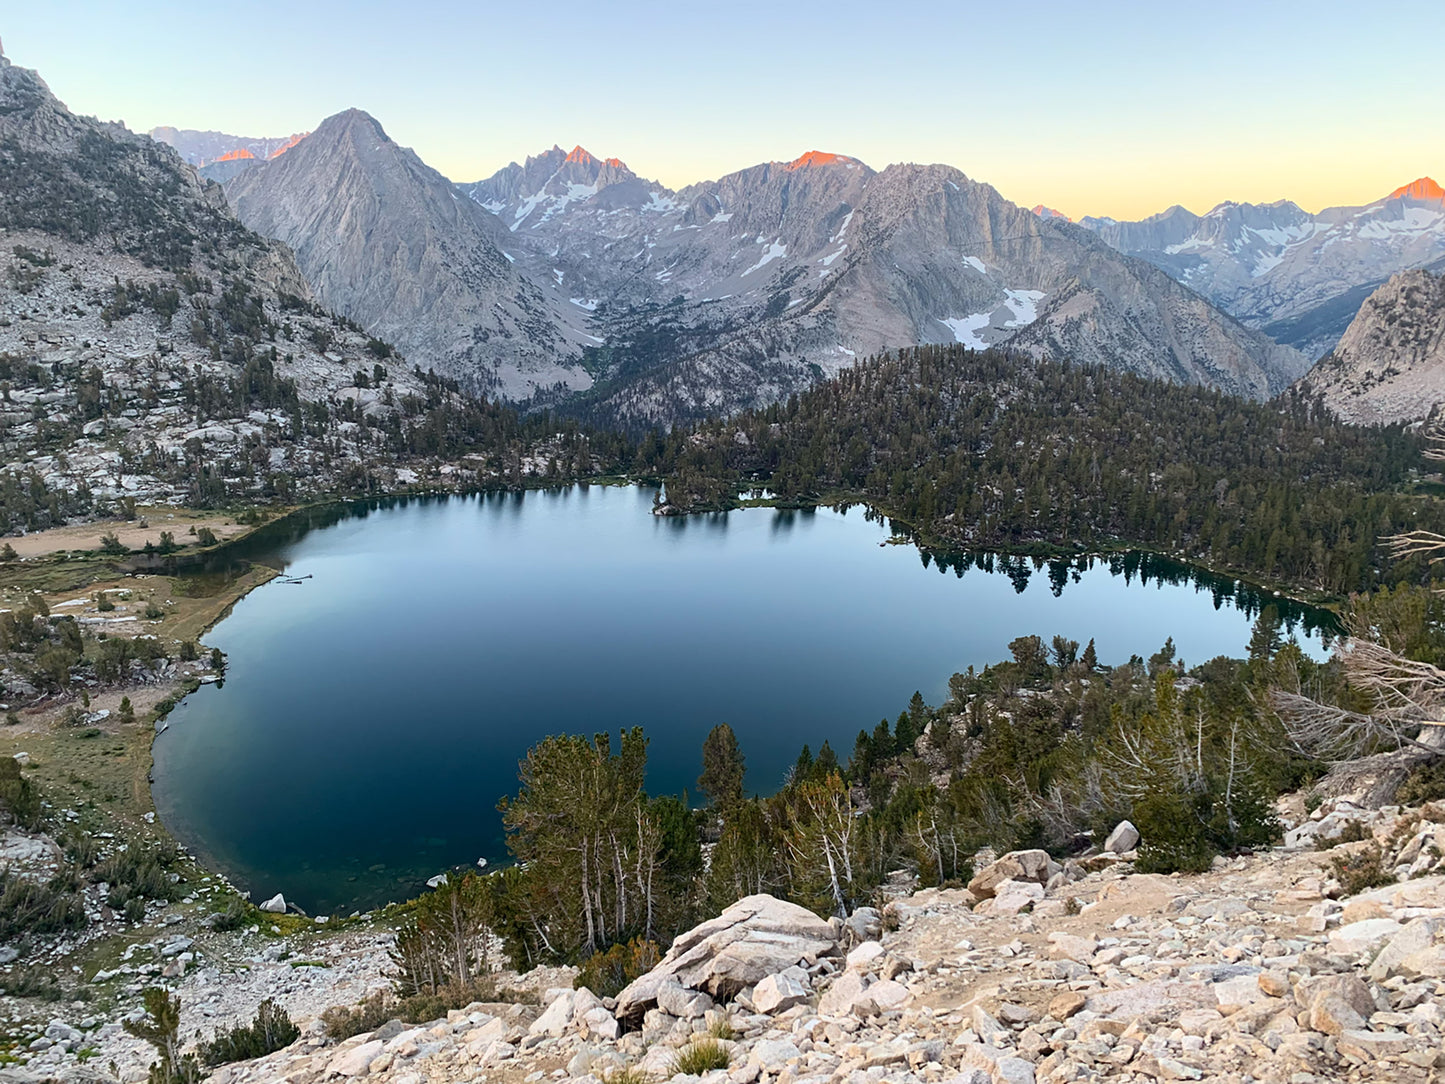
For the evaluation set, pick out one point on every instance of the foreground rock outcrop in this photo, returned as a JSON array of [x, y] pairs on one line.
[[753, 941], [1264, 969]]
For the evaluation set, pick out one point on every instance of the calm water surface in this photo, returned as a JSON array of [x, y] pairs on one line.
[[373, 714]]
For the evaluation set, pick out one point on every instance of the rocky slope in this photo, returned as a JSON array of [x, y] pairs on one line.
[[394, 246], [1390, 364], [1265, 969], [155, 349], [733, 291], [1297, 276]]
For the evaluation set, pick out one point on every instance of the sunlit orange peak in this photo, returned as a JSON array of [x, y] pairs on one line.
[[580, 156], [279, 151], [235, 155], [818, 158], [1423, 189]]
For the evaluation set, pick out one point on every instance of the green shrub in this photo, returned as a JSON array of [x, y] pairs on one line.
[[271, 1030], [139, 871], [236, 915], [368, 1015], [32, 907], [18, 795], [1352, 832], [607, 973], [1172, 834], [37, 982], [1183, 833], [722, 1029], [1361, 871], [700, 1056], [81, 848], [1425, 784]]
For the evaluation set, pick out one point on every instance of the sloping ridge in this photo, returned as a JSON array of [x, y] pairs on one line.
[[1389, 365]]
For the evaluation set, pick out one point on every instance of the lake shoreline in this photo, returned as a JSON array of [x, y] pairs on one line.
[[285, 531]]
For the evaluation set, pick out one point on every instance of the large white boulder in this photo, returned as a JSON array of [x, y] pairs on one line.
[[556, 1019], [756, 937], [1124, 837], [1034, 866]]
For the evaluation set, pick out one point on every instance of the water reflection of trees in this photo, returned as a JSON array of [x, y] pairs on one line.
[[1146, 568], [270, 545]]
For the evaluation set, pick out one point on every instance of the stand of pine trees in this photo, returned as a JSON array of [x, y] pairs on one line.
[[998, 451]]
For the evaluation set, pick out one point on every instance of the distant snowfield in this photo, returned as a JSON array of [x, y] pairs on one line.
[[1019, 309], [965, 329]]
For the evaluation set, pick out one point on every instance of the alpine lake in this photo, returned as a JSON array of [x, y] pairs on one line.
[[379, 694]]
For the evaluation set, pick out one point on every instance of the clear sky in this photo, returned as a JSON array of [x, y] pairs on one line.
[[1105, 107]]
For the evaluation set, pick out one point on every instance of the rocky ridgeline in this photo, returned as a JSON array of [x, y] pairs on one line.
[[1261, 970]]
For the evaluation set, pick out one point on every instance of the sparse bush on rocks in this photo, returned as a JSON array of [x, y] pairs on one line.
[[700, 1056], [271, 1030], [1361, 870], [606, 973], [161, 1028], [34, 907]]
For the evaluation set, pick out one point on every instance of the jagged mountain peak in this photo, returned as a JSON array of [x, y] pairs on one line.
[[1423, 190], [579, 155], [351, 120], [393, 245]]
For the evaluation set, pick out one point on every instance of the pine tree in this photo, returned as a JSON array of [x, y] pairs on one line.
[[161, 1027], [723, 766]]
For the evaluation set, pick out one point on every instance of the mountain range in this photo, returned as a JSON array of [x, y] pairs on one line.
[[583, 285], [1298, 277], [218, 156], [578, 275]]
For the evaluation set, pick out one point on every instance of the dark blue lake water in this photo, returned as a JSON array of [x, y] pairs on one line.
[[373, 714]]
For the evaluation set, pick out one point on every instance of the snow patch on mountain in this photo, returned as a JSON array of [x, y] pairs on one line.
[[774, 251], [1025, 306], [966, 328]]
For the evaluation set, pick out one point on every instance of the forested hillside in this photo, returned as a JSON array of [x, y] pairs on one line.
[[992, 450]]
